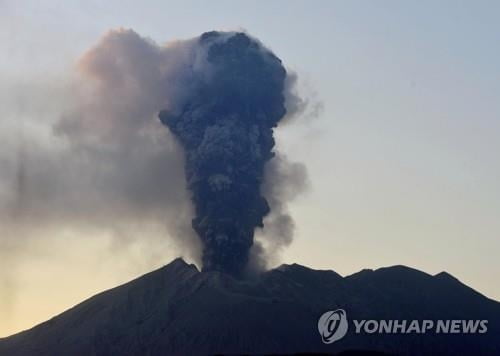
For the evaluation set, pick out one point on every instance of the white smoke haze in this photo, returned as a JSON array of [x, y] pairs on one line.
[[301, 101], [88, 157], [108, 159], [284, 182]]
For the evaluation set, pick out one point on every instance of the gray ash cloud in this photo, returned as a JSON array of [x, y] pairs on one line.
[[225, 126], [94, 160]]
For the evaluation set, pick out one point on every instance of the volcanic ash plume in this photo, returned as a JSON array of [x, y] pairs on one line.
[[225, 126]]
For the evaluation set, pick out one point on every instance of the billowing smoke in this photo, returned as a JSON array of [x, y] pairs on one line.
[[94, 160], [225, 126]]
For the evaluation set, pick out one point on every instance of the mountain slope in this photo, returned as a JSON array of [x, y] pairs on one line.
[[179, 310]]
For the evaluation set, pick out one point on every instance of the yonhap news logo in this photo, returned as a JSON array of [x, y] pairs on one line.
[[333, 326]]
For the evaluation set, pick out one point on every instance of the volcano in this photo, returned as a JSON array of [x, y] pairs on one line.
[[178, 310]]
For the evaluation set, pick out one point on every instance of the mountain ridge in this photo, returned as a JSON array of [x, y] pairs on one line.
[[177, 309]]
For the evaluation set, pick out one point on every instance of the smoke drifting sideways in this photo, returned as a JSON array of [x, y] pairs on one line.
[[85, 155], [110, 163]]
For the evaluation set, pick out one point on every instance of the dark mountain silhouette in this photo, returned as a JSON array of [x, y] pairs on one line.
[[177, 310]]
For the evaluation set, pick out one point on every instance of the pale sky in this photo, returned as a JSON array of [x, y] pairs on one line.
[[402, 159]]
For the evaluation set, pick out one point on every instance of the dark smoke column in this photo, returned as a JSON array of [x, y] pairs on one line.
[[226, 129]]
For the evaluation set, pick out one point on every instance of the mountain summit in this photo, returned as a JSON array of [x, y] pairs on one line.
[[177, 310]]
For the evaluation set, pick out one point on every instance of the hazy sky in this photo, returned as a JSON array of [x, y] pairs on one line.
[[402, 159]]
